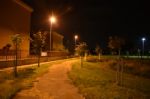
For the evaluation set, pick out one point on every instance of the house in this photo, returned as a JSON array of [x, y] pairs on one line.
[[15, 18], [56, 42], [57, 47]]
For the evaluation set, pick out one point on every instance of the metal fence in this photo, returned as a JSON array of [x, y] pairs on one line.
[[8, 59]]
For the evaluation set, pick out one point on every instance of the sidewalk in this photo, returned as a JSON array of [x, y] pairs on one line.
[[55, 84]]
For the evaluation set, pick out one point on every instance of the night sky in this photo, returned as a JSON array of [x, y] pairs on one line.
[[95, 20]]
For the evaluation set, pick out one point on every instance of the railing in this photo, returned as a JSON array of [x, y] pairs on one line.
[[9, 60]]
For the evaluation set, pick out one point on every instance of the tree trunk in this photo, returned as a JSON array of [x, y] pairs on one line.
[[99, 56], [85, 56], [16, 61], [38, 60], [81, 61], [122, 67], [39, 56], [119, 52], [117, 74], [6, 55]]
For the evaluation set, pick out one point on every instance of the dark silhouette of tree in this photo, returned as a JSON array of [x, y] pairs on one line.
[[38, 42], [81, 49], [16, 39], [115, 43], [6, 49]]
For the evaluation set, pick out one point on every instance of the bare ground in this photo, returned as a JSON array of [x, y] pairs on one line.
[[55, 84]]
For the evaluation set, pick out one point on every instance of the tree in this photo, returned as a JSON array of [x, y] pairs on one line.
[[115, 43], [38, 42], [16, 39], [6, 49], [98, 51], [81, 49]]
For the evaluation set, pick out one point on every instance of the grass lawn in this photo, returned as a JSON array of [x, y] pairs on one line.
[[9, 85], [96, 81]]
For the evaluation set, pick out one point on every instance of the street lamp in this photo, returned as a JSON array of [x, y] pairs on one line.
[[143, 40], [75, 38], [52, 20]]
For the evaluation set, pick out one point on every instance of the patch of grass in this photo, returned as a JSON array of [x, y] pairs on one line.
[[136, 67], [10, 85], [97, 82]]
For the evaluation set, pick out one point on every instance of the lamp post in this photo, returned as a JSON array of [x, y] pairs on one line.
[[75, 38], [52, 20], [75, 41], [143, 40]]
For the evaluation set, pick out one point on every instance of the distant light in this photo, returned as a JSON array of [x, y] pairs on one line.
[[143, 39], [76, 36]]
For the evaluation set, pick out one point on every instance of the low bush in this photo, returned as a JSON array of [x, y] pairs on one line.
[[132, 66]]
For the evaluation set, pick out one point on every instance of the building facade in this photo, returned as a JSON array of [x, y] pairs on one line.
[[57, 42], [15, 18]]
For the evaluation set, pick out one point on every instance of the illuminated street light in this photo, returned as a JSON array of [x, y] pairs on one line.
[[143, 40], [52, 20], [75, 38]]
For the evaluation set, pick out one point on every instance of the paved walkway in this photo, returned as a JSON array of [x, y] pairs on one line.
[[53, 85]]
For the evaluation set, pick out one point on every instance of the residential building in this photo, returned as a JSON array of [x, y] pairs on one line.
[[56, 42], [15, 18]]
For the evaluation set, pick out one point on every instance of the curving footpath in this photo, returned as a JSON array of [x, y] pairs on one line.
[[55, 84]]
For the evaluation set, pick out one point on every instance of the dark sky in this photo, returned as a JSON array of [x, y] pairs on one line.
[[94, 20]]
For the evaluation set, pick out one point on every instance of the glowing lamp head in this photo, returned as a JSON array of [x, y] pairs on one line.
[[76, 36], [52, 19], [143, 39]]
